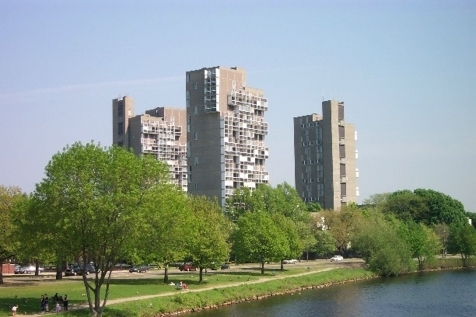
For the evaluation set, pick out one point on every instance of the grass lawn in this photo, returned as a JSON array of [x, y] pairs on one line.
[[26, 291]]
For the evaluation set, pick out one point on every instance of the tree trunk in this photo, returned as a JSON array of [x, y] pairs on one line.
[[262, 268], [200, 280], [166, 274], [1, 271], [282, 266]]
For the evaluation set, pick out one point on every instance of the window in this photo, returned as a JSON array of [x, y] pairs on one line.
[[120, 128], [195, 160], [188, 95], [120, 108], [195, 135], [188, 77]]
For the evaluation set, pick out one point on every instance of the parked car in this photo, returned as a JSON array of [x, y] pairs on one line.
[[337, 258], [139, 268], [225, 266], [222, 266], [75, 269], [27, 269], [292, 261], [187, 267]]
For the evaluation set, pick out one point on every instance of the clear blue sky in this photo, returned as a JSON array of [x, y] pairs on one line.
[[406, 71]]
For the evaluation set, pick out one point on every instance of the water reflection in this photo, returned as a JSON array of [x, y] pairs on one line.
[[432, 294]]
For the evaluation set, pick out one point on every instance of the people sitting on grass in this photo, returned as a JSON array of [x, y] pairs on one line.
[[182, 285]]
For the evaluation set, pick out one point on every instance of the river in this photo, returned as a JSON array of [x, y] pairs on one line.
[[433, 294]]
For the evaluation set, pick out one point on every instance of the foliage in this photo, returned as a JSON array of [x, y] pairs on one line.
[[472, 216], [462, 240], [326, 243], [342, 225], [294, 242], [442, 208], [424, 243], [95, 199], [380, 245], [424, 205], [207, 238], [313, 207], [258, 239], [10, 199], [166, 232], [442, 230], [283, 199]]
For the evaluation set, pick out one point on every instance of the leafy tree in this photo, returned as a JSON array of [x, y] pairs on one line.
[[95, 198], [406, 206], [472, 216], [294, 241], [258, 239], [442, 230], [10, 198], [463, 240], [381, 247], [326, 243], [307, 237], [166, 232], [441, 208], [283, 199], [207, 238], [313, 207], [342, 224], [424, 205], [423, 242]]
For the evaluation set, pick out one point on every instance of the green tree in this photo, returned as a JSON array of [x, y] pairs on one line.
[[258, 239], [313, 207], [95, 199], [424, 243], [326, 243], [294, 241], [441, 208], [10, 198], [462, 240], [207, 237], [307, 237], [166, 231], [406, 206], [342, 225], [384, 251], [442, 230]]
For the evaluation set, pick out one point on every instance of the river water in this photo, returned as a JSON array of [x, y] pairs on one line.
[[432, 294]]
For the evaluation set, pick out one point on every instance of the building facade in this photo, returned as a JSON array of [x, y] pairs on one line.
[[325, 157], [159, 132], [225, 131]]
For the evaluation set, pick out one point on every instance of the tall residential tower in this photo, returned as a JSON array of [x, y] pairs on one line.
[[226, 132], [325, 157], [158, 132]]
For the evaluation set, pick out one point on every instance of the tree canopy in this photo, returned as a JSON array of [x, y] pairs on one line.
[[95, 199]]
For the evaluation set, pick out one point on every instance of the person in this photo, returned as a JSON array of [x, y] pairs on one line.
[[42, 303], [47, 307], [58, 307], [65, 302], [14, 310]]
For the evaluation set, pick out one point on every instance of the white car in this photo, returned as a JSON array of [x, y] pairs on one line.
[[337, 258], [293, 261]]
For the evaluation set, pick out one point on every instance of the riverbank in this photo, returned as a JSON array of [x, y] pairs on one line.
[[190, 301]]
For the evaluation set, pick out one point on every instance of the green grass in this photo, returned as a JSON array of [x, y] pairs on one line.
[[27, 290]]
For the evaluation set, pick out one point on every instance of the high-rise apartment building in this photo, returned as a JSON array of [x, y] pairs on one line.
[[225, 132], [325, 157], [158, 132]]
